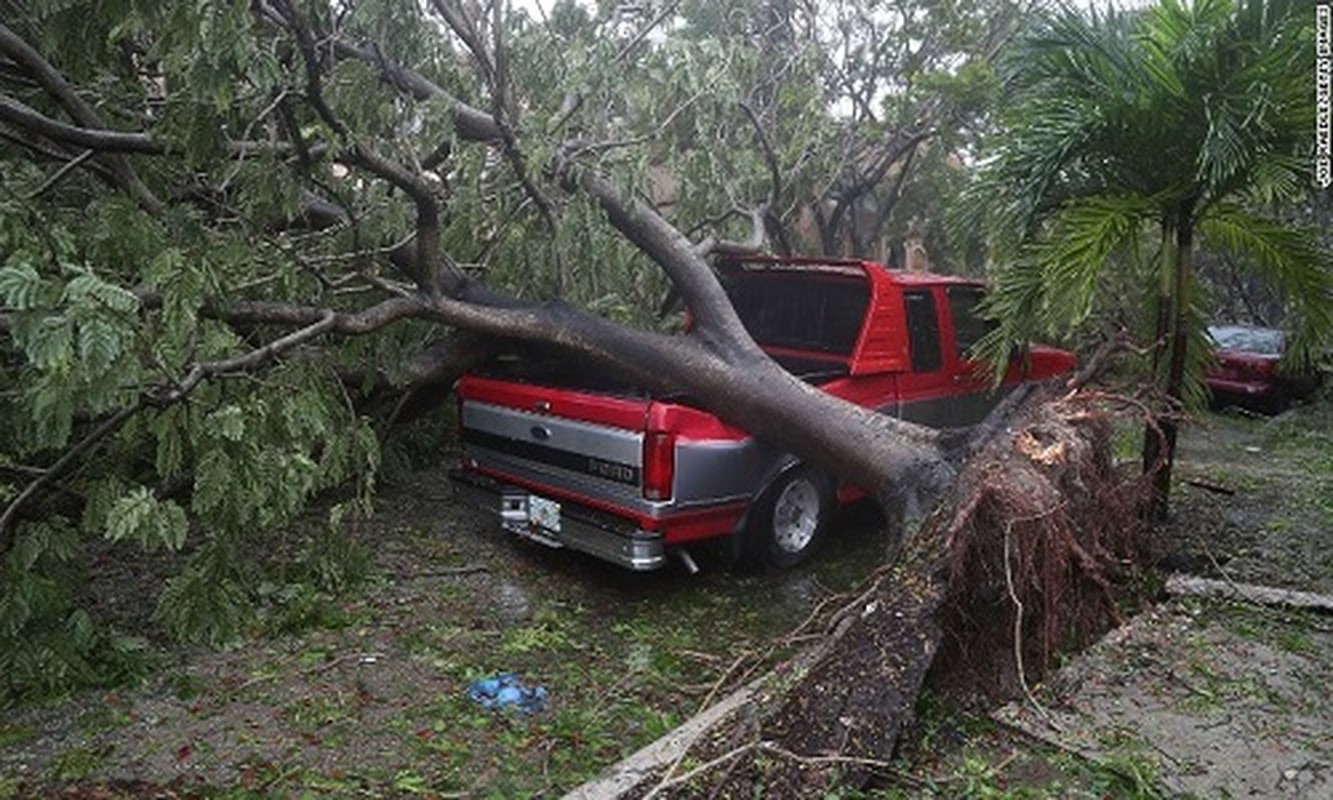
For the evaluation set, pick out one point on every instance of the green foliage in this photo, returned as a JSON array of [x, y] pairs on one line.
[[52, 642], [206, 600], [80, 345], [147, 521]]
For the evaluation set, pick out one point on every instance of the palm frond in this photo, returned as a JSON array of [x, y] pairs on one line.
[[1051, 285], [1280, 178], [1081, 240]]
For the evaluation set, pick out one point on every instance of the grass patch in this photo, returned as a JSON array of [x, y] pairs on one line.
[[963, 754]]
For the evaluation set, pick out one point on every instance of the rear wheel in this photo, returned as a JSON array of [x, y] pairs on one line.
[[1277, 402], [789, 520]]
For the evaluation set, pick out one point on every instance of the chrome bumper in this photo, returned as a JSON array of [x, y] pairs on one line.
[[586, 530]]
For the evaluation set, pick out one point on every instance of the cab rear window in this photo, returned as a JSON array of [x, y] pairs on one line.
[[818, 313]]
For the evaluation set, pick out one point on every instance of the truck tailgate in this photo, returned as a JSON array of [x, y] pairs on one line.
[[565, 443]]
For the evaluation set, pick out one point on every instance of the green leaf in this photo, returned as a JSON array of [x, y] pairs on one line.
[[167, 427], [215, 481], [143, 518], [89, 287], [100, 345], [227, 423], [21, 287], [50, 345]]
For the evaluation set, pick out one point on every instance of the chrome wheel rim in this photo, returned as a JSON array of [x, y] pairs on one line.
[[796, 516]]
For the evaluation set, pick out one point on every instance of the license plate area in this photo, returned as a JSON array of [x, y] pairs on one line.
[[525, 513]]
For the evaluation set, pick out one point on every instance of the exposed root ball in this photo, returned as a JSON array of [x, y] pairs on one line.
[[1044, 530]]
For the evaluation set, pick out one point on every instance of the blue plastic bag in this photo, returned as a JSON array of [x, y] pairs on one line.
[[506, 690]]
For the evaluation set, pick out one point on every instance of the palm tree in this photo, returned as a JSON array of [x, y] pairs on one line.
[[1171, 124]]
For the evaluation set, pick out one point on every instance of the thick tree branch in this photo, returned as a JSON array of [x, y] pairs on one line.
[[429, 269], [471, 124], [255, 358], [55, 85], [676, 255], [712, 246], [101, 140], [52, 152], [461, 24]]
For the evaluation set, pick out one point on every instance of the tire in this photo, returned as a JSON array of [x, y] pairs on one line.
[[1276, 403], [788, 522]]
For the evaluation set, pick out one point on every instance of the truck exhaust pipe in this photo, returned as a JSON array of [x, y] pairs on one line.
[[688, 560]]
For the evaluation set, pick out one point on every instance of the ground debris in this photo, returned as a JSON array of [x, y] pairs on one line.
[[1181, 700], [1194, 586]]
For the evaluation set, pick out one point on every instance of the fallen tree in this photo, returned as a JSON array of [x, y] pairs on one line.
[[361, 238], [313, 130], [231, 238]]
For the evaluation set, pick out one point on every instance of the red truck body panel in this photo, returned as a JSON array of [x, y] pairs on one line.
[[630, 478]]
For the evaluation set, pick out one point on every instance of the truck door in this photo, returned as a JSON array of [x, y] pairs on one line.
[[973, 396], [925, 391]]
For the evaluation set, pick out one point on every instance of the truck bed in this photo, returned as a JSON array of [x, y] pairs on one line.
[[549, 369]]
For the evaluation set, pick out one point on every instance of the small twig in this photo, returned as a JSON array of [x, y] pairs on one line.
[[447, 572], [62, 464], [720, 682], [60, 174], [770, 155], [328, 665], [647, 29], [1212, 487], [873, 763]]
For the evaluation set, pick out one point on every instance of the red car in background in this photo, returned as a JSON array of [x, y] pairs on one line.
[[1246, 370]]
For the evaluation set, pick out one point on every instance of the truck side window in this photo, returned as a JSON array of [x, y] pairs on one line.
[[923, 331], [968, 325]]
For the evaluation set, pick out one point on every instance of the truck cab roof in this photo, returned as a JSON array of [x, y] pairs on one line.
[[847, 313]]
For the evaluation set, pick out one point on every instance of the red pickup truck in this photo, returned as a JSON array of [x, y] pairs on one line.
[[573, 461]]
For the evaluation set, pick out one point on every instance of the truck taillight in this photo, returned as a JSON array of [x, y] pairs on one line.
[[659, 465]]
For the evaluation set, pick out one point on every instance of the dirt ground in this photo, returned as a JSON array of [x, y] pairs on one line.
[[1192, 697]]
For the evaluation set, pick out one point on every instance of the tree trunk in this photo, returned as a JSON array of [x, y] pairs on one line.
[[1172, 332], [899, 462]]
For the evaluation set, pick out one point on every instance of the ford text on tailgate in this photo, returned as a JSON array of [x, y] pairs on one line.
[[572, 461]]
